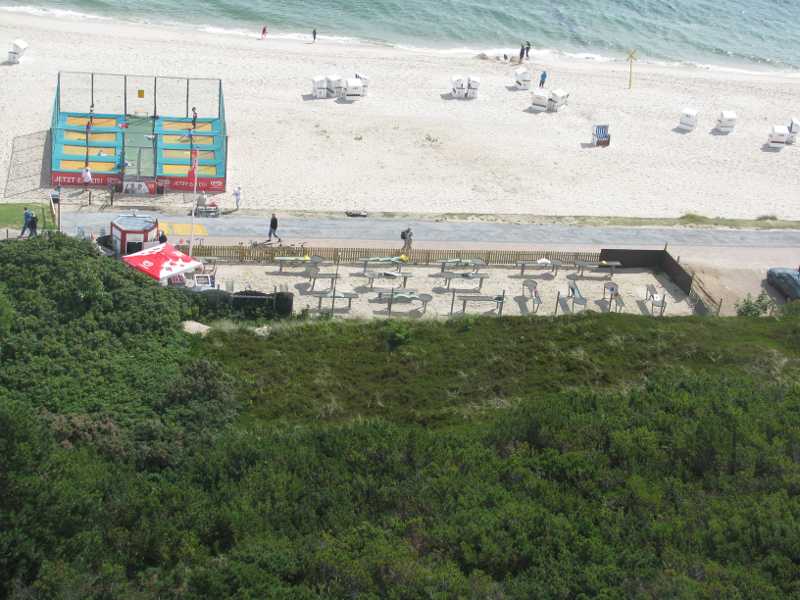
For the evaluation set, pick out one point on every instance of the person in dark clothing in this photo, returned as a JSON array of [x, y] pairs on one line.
[[26, 221], [314, 35], [527, 50], [162, 237], [33, 224], [521, 52], [542, 79], [273, 228], [194, 117]]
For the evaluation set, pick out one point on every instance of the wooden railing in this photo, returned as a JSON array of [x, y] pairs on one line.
[[266, 254]]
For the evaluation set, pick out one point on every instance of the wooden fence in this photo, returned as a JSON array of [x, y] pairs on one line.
[[266, 254]]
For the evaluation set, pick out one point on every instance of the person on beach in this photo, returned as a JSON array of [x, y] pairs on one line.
[[521, 52], [273, 229], [407, 236], [237, 196], [527, 50], [26, 221], [264, 32], [86, 176], [542, 79], [162, 237], [314, 35], [194, 117]]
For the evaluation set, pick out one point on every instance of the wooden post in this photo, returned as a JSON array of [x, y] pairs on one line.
[[452, 302], [558, 299], [631, 58]]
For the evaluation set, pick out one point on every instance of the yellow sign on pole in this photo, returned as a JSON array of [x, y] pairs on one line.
[[140, 93], [631, 57]]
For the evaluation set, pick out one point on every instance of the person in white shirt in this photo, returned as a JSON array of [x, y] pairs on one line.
[[86, 175], [237, 196]]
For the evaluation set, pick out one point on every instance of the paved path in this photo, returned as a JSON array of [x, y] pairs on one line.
[[450, 232]]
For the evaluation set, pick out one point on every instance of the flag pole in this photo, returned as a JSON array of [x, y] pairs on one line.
[[194, 201]]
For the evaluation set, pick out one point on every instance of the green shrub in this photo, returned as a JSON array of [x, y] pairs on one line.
[[760, 306]]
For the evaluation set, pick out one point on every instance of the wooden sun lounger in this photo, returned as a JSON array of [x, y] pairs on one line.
[[615, 301], [552, 265], [533, 288], [574, 294], [383, 294], [313, 274], [381, 260], [449, 276]]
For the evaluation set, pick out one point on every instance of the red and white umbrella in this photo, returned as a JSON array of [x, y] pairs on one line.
[[162, 261]]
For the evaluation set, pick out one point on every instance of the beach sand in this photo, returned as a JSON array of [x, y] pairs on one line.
[[405, 148]]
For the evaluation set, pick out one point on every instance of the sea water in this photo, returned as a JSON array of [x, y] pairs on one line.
[[749, 33]]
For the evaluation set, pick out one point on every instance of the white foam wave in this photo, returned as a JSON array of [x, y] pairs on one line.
[[59, 13]]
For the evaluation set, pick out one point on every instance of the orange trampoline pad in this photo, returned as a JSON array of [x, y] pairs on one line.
[[184, 170], [203, 154], [93, 137], [81, 151], [181, 125], [77, 165], [184, 139], [96, 122]]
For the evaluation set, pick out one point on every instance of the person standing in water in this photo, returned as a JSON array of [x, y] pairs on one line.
[[264, 32], [528, 50], [314, 35], [521, 52]]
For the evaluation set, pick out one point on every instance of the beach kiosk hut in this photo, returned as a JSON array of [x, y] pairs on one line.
[[319, 87], [726, 122], [688, 119], [353, 88], [558, 99], [334, 85], [522, 79], [364, 83], [129, 233], [18, 48], [539, 101], [458, 86], [473, 84], [778, 136]]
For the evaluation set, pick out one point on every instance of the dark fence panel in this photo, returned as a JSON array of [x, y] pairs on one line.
[[633, 259]]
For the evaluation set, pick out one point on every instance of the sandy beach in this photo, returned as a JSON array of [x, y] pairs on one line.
[[405, 148]]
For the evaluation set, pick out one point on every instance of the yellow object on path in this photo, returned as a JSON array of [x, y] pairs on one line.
[[96, 122], [81, 151], [184, 170], [183, 228], [77, 165], [185, 139], [93, 137], [187, 154]]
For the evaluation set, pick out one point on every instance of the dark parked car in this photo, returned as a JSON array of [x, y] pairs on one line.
[[786, 281]]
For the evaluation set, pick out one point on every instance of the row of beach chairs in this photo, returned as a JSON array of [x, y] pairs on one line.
[[334, 86]]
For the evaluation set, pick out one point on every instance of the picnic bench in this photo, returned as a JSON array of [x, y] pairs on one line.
[[405, 296], [206, 211], [471, 276], [382, 260], [383, 294], [329, 295], [476, 264], [373, 275], [574, 294], [313, 274], [497, 300], [297, 261], [533, 289], [585, 264], [552, 265]]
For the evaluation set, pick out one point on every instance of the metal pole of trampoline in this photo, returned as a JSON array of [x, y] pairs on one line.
[[194, 201]]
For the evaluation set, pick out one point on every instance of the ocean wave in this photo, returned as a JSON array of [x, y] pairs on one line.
[[59, 13]]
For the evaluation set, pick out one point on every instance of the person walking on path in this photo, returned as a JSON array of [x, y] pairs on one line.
[[273, 229], [542, 79], [26, 221], [314, 35], [32, 225], [264, 32], [407, 236], [86, 175], [237, 196], [521, 52], [528, 50]]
